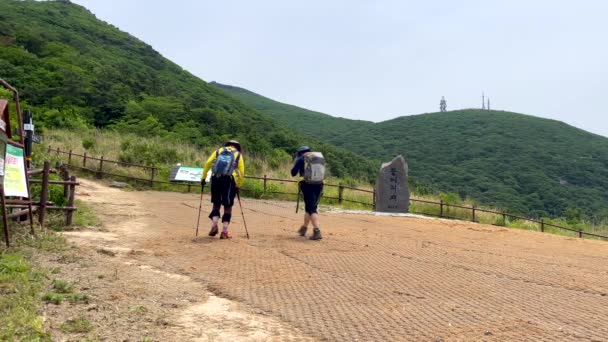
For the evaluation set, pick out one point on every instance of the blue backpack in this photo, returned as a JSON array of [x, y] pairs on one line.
[[226, 162]]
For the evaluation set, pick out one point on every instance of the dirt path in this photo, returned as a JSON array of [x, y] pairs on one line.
[[372, 278]]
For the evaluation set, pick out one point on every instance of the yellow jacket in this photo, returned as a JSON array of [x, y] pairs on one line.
[[239, 172]]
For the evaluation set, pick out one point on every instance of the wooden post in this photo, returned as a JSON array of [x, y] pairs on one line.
[[57, 150], [70, 157], [84, 160], [473, 208], [66, 176], [264, 183], [189, 186], [580, 233], [4, 218], [100, 172], [542, 225], [44, 193], [504, 219], [340, 193], [70, 213], [49, 151], [152, 177], [374, 198], [440, 208]]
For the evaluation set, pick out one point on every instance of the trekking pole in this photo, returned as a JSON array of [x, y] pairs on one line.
[[200, 206], [242, 214], [298, 200]]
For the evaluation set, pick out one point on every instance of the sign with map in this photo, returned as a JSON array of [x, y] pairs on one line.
[[186, 174]]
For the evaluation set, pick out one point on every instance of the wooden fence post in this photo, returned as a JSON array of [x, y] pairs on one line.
[[542, 225], [440, 208], [57, 150], [580, 233], [473, 208], [152, 177], [504, 219], [265, 183], [44, 193], [49, 151], [84, 160], [66, 177], [100, 172], [374, 199], [340, 193], [70, 213], [70, 157]]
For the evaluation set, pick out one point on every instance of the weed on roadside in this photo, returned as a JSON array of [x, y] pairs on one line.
[[78, 325], [20, 285]]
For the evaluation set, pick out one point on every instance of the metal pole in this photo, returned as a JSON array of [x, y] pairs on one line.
[[200, 206], [4, 218], [29, 132], [242, 214]]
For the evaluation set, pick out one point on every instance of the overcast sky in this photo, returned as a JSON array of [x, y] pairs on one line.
[[379, 59]]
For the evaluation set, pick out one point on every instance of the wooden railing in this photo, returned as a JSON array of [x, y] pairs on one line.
[[443, 207]]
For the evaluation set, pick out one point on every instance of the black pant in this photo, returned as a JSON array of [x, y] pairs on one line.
[[312, 196], [223, 191]]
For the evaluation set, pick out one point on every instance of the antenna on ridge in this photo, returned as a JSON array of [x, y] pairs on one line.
[[483, 101]]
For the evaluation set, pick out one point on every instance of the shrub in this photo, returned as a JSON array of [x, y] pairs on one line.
[[88, 143]]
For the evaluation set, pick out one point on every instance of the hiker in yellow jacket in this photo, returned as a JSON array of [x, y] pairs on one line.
[[227, 175]]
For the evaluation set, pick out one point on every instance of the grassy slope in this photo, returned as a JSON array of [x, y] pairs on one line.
[[518, 162], [74, 70]]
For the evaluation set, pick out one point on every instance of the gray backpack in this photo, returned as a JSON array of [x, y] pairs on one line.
[[314, 167]]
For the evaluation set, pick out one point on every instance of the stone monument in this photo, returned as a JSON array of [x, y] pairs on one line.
[[392, 190]]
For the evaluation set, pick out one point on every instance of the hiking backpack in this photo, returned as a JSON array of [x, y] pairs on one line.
[[314, 167], [225, 162]]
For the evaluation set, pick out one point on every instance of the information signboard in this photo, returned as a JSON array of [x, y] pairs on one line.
[[186, 174], [14, 173]]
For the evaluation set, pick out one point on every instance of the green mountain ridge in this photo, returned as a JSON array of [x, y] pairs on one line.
[[75, 71], [528, 165]]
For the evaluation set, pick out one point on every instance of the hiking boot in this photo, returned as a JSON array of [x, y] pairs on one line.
[[225, 235], [213, 231], [302, 230], [316, 234]]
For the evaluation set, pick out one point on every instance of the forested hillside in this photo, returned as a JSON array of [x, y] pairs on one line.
[[76, 71], [523, 163]]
